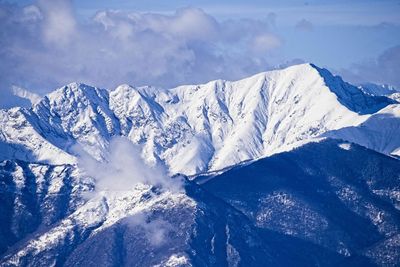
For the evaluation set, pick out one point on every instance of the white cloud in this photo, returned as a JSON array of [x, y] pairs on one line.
[[49, 47], [59, 24], [265, 43], [124, 167], [193, 24], [25, 94]]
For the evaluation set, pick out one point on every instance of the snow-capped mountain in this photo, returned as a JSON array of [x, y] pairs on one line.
[[268, 182], [198, 128]]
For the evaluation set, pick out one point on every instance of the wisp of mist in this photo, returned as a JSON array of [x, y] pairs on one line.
[[123, 167]]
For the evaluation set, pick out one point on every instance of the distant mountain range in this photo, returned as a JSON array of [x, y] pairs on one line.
[[291, 167]]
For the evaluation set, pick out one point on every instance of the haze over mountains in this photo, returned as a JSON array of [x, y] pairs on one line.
[[262, 182]]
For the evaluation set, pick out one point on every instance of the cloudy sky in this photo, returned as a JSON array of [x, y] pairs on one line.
[[45, 44]]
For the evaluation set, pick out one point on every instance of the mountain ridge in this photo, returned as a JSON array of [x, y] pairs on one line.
[[198, 128]]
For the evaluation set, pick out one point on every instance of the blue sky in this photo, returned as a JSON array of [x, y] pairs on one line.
[[355, 12], [51, 42], [355, 28], [357, 22]]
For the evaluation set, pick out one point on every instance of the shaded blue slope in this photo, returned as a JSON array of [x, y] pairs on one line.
[[352, 97], [319, 198]]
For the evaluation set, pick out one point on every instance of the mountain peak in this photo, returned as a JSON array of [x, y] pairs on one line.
[[74, 93], [75, 88], [350, 96]]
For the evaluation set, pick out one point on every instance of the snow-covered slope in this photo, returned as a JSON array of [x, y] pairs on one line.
[[22, 136], [379, 132], [323, 210], [193, 128], [395, 96]]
